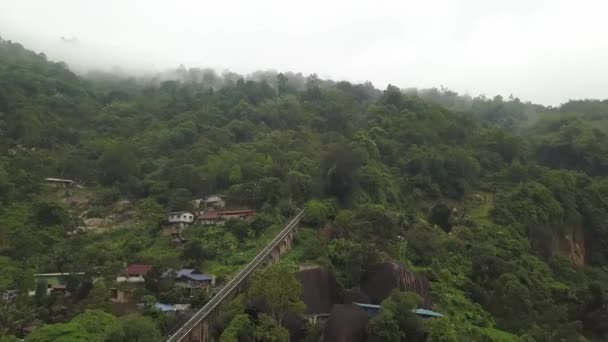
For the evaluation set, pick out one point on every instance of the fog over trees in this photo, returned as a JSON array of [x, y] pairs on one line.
[[486, 209]]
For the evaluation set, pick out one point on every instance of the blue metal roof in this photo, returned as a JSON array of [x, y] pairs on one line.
[[419, 312], [425, 312], [164, 307], [189, 273], [198, 277], [370, 306]]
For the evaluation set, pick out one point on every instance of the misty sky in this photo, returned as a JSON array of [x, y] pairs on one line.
[[543, 51]]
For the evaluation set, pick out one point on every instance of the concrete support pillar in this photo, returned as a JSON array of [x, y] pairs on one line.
[[275, 255], [196, 334], [205, 333], [290, 241], [212, 322], [282, 248]]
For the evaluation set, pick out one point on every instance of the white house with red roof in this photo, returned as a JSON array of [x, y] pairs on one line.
[[128, 280], [134, 273]]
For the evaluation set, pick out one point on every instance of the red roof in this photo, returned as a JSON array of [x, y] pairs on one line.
[[218, 214], [210, 215], [138, 269], [237, 212], [58, 287]]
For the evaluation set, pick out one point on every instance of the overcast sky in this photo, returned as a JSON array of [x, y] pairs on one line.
[[543, 51]]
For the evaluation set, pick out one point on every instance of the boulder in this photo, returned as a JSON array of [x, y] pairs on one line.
[[570, 244], [383, 278], [346, 323], [355, 296], [122, 206], [97, 224], [296, 327], [319, 289]]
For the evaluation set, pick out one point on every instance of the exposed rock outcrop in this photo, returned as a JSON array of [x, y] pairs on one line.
[[319, 289], [569, 243], [383, 278], [97, 224], [122, 213], [296, 327], [346, 323], [355, 296]]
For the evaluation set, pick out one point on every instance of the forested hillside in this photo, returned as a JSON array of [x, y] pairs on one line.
[[502, 205]]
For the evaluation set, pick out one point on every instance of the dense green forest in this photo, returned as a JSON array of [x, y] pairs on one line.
[[501, 204]]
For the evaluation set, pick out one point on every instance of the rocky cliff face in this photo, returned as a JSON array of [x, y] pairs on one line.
[[382, 279], [319, 289], [296, 325], [570, 243], [346, 323], [355, 296]]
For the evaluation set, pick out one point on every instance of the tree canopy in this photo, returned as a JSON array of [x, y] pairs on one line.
[[500, 203]]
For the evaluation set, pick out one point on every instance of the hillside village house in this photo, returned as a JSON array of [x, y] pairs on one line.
[[134, 273], [214, 201], [212, 217], [176, 223], [56, 282], [128, 279], [243, 214], [209, 218], [9, 295], [181, 217], [190, 278]]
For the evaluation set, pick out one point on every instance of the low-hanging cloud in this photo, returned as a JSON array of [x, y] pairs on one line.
[[543, 51]]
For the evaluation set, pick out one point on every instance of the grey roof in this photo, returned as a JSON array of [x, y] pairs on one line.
[[371, 306], [50, 179], [419, 312], [164, 307], [425, 312]]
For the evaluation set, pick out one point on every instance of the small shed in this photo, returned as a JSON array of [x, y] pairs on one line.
[[59, 182]]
